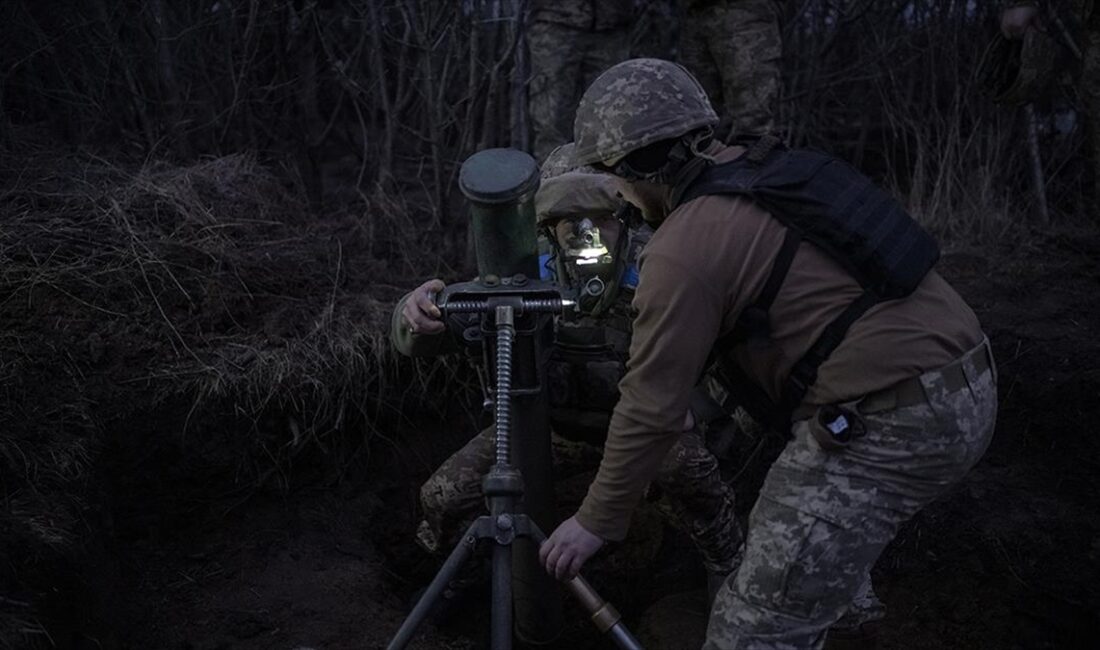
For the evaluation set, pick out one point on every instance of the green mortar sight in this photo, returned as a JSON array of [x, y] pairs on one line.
[[501, 184]]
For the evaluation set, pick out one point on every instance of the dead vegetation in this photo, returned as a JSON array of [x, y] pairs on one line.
[[202, 293], [208, 208]]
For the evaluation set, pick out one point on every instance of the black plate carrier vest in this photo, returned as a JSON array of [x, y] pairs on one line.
[[825, 201]]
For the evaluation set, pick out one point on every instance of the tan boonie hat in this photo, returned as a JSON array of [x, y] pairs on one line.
[[558, 162], [576, 194]]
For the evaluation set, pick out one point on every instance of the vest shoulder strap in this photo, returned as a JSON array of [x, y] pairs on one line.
[[825, 201]]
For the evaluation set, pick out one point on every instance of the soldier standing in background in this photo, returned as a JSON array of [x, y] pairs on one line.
[[733, 48], [1018, 17], [571, 43]]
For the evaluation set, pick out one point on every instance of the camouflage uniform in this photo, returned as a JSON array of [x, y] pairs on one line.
[[587, 362], [1090, 86], [823, 517], [698, 498], [733, 48], [571, 42], [1084, 13]]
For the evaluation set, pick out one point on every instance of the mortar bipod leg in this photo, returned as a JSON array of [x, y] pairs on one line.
[[461, 553]]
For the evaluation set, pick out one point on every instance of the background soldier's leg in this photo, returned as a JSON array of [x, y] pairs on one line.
[[555, 76], [747, 44], [702, 502], [602, 50], [655, 30], [1090, 91], [695, 55], [451, 497], [823, 518]]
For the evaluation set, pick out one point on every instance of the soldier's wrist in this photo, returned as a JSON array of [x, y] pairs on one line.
[[599, 524]]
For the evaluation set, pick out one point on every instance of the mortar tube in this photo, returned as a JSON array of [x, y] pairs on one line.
[[536, 596], [500, 185]]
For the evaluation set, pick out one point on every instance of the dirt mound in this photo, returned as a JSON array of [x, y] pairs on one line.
[[193, 321]]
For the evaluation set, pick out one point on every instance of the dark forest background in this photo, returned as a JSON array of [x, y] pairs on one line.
[[209, 207], [352, 98]]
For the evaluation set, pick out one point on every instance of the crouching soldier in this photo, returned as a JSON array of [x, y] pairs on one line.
[[593, 245], [818, 295], [578, 210]]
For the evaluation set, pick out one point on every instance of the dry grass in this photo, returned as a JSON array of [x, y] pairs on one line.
[[214, 268], [205, 305], [19, 628], [195, 306]]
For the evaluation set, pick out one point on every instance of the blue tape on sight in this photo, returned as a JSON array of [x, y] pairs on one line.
[[545, 271], [630, 277]]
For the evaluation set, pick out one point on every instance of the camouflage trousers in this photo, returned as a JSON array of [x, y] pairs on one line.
[[1090, 94], [733, 48], [564, 61], [689, 479], [824, 517]]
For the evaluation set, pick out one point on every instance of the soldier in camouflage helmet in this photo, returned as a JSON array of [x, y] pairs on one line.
[[584, 370], [897, 412], [733, 48], [650, 107], [1021, 20], [570, 41]]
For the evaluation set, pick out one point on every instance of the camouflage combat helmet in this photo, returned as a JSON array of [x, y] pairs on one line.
[[558, 162], [1018, 71], [637, 103]]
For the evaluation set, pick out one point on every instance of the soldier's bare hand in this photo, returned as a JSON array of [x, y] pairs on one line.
[[567, 549], [1015, 21], [420, 314]]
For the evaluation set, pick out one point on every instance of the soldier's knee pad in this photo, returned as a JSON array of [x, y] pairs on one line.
[[686, 467], [672, 468], [435, 494]]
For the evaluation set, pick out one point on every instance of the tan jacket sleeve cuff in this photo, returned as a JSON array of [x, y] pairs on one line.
[[604, 525]]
